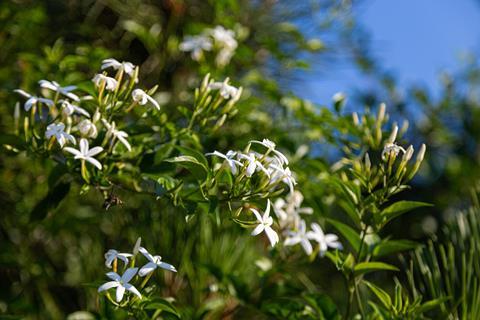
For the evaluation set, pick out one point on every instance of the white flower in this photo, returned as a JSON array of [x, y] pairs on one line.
[[224, 37], [112, 254], [141, 97], [109, 82], [87, 129], [224, 56], [86, 154], [117, 134], [288, 211], [229, 159], [284, 174], [196, 45], [300, 236], [33, 100], [121, 283], [154, 263], [57, 130], [52, 85], [127, 67], [253, 164], [270, 145], [390, 149], [265, 223], [226, 91], [324, 240], [68, 109]]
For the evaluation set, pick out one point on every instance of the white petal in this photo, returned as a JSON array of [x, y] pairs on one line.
[[167, 266], [95, 162], [291, 241], [94, 151], [120, 292], [73, 151], [108, 285], [257, 214], [129, 274], [272, 236], [84, 146], [146, 269], [113, 276], [266, 214], [258, 229], [146, 254], [133, 290], [307, 246], [124, 142]]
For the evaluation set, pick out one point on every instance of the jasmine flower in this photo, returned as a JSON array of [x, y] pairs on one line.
[[102, 80], [117, 134], [86, 154], [126, 67], [226, 91], [154, 263], [300, 236], [324, 240], [141, 97], [121, 283], [112, 254], [270, 145], [229, 159], [196, 45], [57, 130], [54, 86], [265, 223], [33, 100], [68, 109]]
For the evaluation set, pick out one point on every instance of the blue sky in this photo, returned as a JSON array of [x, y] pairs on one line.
[[414, 39]]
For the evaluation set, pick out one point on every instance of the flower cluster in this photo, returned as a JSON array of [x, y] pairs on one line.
[[219, 39], [262, 174], [131, 275], [62, 115]]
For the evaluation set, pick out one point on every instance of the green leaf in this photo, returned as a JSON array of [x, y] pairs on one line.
[[198, 169], [349, 233], [432, 304], [51, 201], [366, 267], [323, 304], [393, 246], [193, 153], [381, 295], [399, 208], [161, 304]]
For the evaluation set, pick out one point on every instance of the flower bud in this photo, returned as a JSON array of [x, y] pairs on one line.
[[87, 129], [408, 154], [381, 112], [421, 153], [393, 135], [356, 121]]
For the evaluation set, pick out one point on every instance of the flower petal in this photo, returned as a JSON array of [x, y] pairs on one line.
[[95, 162], [258, 229], [272, 236], [167, 266], [113, 276], [129, 274], [146, 269], [133, 290], [94, 151], [120, 292], [108, 285]]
